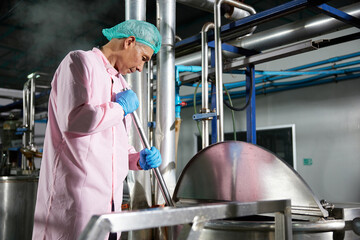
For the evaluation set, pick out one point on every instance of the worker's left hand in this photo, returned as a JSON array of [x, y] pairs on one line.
[[150, 158]]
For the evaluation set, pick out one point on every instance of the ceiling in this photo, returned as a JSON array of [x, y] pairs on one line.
[[35, 35]]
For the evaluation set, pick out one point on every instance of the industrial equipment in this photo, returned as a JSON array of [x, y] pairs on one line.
[[241, 173], [19, 177]]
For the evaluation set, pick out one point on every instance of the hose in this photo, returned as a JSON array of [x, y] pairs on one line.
[[247, 102], [232, 112]]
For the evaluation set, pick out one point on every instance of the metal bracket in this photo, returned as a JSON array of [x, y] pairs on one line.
[[203, 116]]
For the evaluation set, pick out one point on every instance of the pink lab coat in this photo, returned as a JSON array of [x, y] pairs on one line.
[[86, 152]]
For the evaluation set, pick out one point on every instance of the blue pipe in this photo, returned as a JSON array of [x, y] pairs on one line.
[[330, 60], [288, 73], [264, 90], [267, 78], [322, 75], [178, 69]]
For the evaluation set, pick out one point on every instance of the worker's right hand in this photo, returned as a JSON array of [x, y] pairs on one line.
[[128, 101]]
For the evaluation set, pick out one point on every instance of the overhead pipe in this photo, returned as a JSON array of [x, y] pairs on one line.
[[165, 95], [268, 89], [282, 35], [296, 31], [229, 11], [349, 73]]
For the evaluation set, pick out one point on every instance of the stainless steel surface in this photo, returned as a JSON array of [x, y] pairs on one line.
[[29, 118], [162, 184], [218, 72], [204, 82], [135, 9], [138, 181], [218, 62], [208, 5], [296, 31], [264, 230], [346, 211], [303, 226], [243, 172], [17, 205], [282, 35], [99, 226], [165, 95]]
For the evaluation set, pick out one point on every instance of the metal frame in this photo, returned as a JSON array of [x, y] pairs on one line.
[[339, 15], [251, 109], [100, 225]]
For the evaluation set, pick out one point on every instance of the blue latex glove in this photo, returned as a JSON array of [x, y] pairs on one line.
[[150, 158], [128, 101]]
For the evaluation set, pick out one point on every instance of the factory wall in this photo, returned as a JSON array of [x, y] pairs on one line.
[[327, 126]]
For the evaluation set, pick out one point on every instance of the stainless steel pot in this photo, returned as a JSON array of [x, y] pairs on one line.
[[17, 205]]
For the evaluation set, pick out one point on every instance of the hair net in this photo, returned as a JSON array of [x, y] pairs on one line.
[[144, 32]]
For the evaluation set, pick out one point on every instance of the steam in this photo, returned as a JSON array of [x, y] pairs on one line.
[[53, 28]]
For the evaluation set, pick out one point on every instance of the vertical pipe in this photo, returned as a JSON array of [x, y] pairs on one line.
[[204, 82], [136, 9], [32, 111], [218, 72], [139, 182], [250, 111], [165, 104], [218, 61], [25, 121]]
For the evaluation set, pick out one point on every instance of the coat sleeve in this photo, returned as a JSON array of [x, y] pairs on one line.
[[133, 158], [77, 112]]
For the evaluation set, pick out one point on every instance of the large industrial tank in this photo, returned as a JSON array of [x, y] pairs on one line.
[[17, 205], [243, 172]]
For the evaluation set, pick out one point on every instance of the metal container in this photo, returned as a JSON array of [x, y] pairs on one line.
[[243, 172], [17, 205]]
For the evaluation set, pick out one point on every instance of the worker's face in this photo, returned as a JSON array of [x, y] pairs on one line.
[[134, 57]]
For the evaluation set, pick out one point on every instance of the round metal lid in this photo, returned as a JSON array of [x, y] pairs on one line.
[[243, 172]]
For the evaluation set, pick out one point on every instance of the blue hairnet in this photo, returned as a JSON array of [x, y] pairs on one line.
[[144, 32]]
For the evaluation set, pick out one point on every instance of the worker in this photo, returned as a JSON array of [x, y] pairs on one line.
[[86, 151]]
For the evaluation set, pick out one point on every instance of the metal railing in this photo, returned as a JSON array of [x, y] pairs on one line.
[[100, 225]]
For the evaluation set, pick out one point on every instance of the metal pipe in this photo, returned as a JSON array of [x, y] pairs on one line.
[[156, 171], [282, 35], [204, 81], [139, 182], [32, 111], [296, 31], [165, 96], [135, 9], [218, 62], [218, 72], [208, 5], [25, 121]]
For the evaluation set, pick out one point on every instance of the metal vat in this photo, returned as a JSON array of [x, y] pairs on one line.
[[243, 172], [17, 205]]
